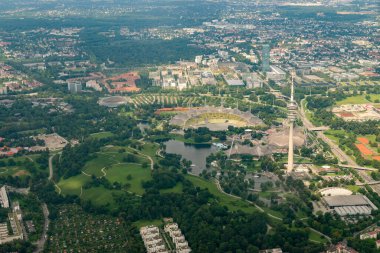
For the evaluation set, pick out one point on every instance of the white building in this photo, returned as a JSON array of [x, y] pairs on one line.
[[198, 59], [4, 197], [276, 74], [178, 238], [74, 86]]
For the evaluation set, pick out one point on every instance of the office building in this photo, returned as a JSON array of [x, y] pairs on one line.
[[74, 86], [266, 58]]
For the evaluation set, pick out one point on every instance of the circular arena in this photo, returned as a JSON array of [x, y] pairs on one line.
[[113, 101], [335, 191], [215, 118]]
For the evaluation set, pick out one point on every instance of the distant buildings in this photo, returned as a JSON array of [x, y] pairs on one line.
[[198, 59], [14, 217], [276, 250], [340, 248], [252, 80], [74, 86], [93, 84], [370, 235], [265, 58], [3, 90]]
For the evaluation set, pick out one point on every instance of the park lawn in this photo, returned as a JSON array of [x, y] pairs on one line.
[[176, 189], [313, 236], [265, 195], [272, 212], [301, 215], [100, 196], [20, 170], [233, 204], [142, 223], [353, 188], [72, 185], [333, 135], [94, 166], [359, 99], [150, 149], [13, 171], [101, 135], [119, 173]]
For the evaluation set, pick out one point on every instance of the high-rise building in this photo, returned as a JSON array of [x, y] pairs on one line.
[[292, 115], [74, 86], [265, 59]]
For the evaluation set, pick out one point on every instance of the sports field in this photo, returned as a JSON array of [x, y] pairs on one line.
[[365, 148]]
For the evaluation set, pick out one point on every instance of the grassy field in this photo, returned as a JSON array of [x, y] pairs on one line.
[[313, 236], [176, 189], [359, 99], [142, 223], [353, 188], [119, 173], [101, 135], [231, 203], [334, 135], [19, 169], [109, 163], [100, 195], [72, 185]]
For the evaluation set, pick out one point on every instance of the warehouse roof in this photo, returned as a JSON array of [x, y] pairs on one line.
[[348, 200]]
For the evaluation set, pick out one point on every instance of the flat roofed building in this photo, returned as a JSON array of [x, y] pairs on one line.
[[345, 205]]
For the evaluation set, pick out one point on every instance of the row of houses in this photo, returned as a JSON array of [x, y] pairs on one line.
[[178, 238], [152, 239]]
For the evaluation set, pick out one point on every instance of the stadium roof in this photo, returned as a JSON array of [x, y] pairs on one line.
[[348, 200]]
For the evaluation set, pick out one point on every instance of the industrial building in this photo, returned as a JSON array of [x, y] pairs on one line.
[[346, 205]]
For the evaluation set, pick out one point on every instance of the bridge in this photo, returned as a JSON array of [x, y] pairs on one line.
[[368, 183], [357, 167]]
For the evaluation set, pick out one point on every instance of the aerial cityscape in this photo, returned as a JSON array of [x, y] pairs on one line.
[[178, 126]]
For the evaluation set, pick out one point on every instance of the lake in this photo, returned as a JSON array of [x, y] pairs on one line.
[[197, 154]]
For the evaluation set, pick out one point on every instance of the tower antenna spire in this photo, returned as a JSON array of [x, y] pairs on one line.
[[292, 114]]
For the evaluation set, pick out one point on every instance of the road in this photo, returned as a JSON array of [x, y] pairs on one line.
[[51, 167], [340, 154], [41, 242], [51, 173]]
